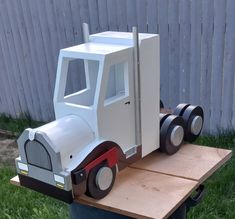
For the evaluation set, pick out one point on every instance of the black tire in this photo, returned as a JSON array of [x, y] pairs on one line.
[[92, 189], [179, 110], [167, 126], [188, 113]]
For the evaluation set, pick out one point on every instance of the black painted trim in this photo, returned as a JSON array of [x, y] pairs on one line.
[[79, 176], [47, 189]]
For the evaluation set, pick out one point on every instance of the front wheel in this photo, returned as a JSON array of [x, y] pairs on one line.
[[100, 181]]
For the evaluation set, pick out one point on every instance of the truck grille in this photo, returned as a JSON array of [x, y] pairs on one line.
[[37, 155]]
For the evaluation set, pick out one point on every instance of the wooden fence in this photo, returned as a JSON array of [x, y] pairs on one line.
[[197, 50]]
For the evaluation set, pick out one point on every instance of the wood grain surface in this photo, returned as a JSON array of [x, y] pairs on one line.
[[191, 161], [157, 185]]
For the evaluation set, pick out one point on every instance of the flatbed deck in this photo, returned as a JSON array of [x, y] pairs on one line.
[[157, 185]]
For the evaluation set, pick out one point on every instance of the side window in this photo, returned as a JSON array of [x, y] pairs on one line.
[[117, 83]]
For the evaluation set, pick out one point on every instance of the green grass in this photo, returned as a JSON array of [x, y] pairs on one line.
[[21, 203], [219, 200], [17, 125]]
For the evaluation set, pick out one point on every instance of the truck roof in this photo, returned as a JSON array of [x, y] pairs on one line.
[[93, 50], [120, 38]]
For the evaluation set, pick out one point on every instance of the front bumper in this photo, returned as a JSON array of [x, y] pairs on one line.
[[47, 189]]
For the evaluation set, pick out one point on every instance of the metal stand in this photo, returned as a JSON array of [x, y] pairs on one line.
[[79, 211]]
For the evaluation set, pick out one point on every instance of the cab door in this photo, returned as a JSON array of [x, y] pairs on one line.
[[117, 112]]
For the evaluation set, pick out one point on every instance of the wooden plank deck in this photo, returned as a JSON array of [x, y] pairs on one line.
[[157, 185]]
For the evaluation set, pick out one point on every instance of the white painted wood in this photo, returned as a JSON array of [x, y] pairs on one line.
[[109, 109], [150, 95], [116, 119], [69, 140]]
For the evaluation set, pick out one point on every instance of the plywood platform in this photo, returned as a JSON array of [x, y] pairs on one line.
[[157, 185]]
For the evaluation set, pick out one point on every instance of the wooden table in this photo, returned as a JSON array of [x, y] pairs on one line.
[[157, 185]]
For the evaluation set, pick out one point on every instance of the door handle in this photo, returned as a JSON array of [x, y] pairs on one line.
[[128, 102]]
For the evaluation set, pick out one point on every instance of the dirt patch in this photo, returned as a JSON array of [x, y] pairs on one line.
[[8, 150]]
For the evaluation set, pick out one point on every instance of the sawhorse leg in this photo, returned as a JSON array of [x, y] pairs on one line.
[[181, 212], [80, 211]]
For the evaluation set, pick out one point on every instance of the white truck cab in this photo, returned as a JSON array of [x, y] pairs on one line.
[[107, 103], [112, 121]]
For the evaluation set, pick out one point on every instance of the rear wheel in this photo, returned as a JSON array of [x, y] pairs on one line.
[[171, 133], [193, 118], [100, 181]]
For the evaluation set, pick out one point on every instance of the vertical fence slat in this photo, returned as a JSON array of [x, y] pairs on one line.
[[217, 65], [196, 42], [9, 56], [103, 15], [35, 53], [141, 7], [84, 11], [4, 100], [42, 62], [152, 16], [229, 67], [131, 14], [22, 58], [64, 40], [47, 44], [112, 15], [6, 88], [184, 74], [67, 25], [206, 59], [195, 58], [76, 19], [94, 16], [164, 57], [121, 15], [173, 19]]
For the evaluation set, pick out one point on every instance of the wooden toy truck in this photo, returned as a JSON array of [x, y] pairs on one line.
[[109, 124]]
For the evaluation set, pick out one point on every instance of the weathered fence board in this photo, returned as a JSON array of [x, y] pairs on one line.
[[217, 64], [206, 58], [184, 72], [195, 57], [174, 73], [228, 67], [152, 16], [164, 57], [197, 50]]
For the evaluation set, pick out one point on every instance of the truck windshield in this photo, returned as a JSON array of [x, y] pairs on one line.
[[81, 82]]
